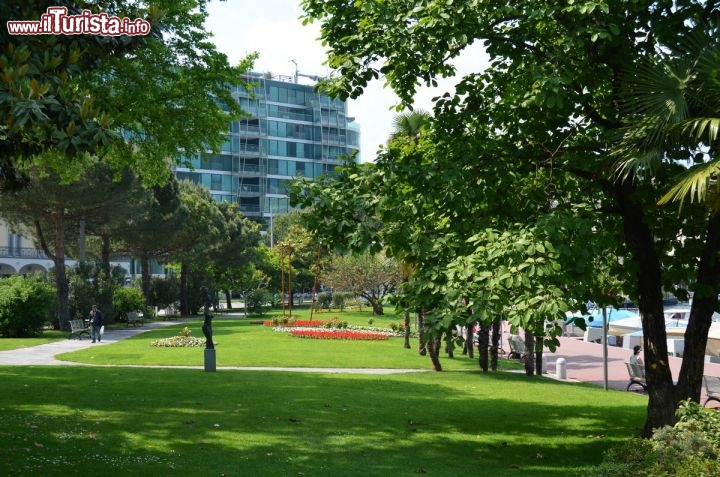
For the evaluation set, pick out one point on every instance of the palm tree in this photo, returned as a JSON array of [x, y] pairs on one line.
[[410, 125], [676, 103]]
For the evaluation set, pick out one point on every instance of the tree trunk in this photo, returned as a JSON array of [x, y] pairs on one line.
[[483, 345], [375, 303], [496, 337], [469, 348], [449, 343], [538, 358], [434, 352], [228, 299], [61, 282], [704, 303], [641, 244], [422, 346], [529, 355], [105, 259], [184, 297], [107, 288], [407, 328], [145, 277]]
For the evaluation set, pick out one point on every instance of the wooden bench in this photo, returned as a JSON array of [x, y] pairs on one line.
[[134, 318], [77, 328], [712, 388], [637, 376]]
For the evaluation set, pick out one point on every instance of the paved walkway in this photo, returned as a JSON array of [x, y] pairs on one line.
[[45, 354], [584, 361]]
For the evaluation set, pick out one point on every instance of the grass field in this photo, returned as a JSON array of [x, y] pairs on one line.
[[86, 421], [243, 342], [117, 421]]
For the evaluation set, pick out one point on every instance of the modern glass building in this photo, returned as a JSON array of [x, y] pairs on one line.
[[291, 131]]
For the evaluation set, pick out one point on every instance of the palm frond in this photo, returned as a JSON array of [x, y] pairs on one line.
[[693, 184], [638, 163], [702, 129]]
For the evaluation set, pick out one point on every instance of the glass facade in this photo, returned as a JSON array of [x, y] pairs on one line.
[[291, 131]]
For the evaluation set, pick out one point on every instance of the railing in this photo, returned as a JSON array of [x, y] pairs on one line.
[[249, 188], [249, 208], [21, 252], [250, 168]]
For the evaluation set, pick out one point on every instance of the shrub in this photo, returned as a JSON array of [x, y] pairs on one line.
[[127, 299], [336, 323], [691, 448], [324, 300], [256, 300], [26, 303], [340, 299], [164, 291]]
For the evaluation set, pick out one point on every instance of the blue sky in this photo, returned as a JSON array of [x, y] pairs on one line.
[[273, 28]]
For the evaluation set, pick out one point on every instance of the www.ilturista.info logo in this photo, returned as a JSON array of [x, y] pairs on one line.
[[57, 22]]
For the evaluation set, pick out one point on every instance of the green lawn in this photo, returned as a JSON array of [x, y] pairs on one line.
[[117, 421], [87, 421], [48, 336], [241, 342]]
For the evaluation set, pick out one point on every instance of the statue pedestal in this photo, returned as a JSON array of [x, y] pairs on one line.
[[210, 360]]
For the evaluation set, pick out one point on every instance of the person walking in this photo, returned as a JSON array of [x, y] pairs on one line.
[[96, 323]]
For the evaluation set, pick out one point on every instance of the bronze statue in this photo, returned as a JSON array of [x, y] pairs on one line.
[[207, 325]]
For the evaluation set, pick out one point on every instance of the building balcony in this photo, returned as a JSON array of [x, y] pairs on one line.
[[248, 189], [22, 252]]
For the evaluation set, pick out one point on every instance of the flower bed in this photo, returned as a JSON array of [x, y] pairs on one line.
[[338, 334], [178, 342], [184, 340], [293, 323]]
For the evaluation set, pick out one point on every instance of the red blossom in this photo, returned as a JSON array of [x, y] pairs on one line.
[[308, 323], [339, 335]]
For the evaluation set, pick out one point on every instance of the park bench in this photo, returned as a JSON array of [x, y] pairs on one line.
[[517, 347], [637, 376], [77, 328], [712, 388], [135, 317]]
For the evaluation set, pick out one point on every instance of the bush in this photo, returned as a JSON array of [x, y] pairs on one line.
[[336, 323], [26, 303], [164, 291], [689, 449], [323, 300], [127, 299], [256, 300], [341, 299]]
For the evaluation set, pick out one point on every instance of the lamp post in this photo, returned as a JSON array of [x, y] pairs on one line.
[[605, 348]]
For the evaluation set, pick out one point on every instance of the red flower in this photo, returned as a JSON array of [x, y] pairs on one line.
[[325, 334]]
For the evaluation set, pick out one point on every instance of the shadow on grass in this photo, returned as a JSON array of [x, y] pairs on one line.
[[120, 421]]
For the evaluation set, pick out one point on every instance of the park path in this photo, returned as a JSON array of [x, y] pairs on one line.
[[45, 354], [584, 361]]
